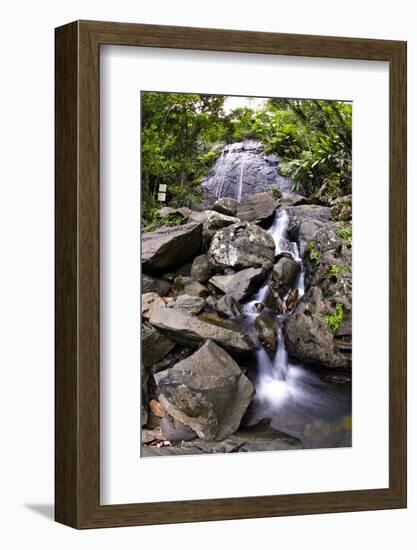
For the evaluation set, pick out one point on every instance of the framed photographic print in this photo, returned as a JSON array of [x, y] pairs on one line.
[[230, 274]]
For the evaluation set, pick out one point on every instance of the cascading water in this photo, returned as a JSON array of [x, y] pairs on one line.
[[292, 395], [243, 169], [273, 372], [295, 398]]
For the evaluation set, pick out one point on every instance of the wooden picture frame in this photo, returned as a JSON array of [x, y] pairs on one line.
[[77, 405]]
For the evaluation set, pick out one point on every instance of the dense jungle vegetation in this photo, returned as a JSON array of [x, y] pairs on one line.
[[184, 134]]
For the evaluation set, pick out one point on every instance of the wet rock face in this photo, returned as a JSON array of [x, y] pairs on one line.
[[206, 392], [267, 332], [328, 261], [241, 245], [243, 169], [285, 273], [170, 246], [320, 329]]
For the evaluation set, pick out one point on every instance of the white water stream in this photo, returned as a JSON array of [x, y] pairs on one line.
[[292, 395]]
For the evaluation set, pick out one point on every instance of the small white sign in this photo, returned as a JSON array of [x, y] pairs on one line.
[[162, 188], [161, 197]]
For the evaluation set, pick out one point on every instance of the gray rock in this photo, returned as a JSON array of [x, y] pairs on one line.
[[167, 451], [342, 208], [212, 221], [166, 211], [267, 332], [152, 435], [187, 285], [273, 301], [285, 274], [207, 392], [155, 345], [292, 199], [228, 307], [259, 208], [242, 245], [243, 170], [201, 270], [304, 222], [226, 206], [150, 284], [174, 430], [241, 285], [311, 340], [330, 268], [188, 304], [171, 246], [150, 301], [260, 437], [192, 331]]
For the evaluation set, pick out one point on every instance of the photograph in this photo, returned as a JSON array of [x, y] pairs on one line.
[[246, 274]]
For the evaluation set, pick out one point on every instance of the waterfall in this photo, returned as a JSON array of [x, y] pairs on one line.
[[242, 170], [272, 372]]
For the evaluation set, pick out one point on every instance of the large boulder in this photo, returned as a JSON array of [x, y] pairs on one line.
[[212, 221], [155, 345], [226, 206], [241, 285], [207, 392], [242, 245], [311, 340], [259, 208], [305, 221], [191, 331], [171, 246]]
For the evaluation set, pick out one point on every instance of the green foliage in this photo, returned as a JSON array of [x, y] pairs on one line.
[[178, 131], [276, 193], [335, 270], [156, 221], [319, 157], [182, 136], [313, 252], [334, 320], [346, 234]]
